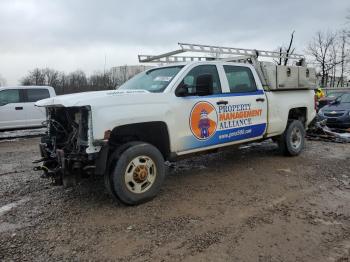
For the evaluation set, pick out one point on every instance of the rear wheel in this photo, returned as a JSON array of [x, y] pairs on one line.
[[138, 174], [292, 141]]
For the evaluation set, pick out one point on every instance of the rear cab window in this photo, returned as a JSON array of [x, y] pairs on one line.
[[240, 79], [36, 94]]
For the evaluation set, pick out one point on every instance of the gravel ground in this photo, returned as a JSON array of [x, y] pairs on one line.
[[249, 204]]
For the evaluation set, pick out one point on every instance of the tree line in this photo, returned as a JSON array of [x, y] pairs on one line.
[[76, 81], [330, 53]]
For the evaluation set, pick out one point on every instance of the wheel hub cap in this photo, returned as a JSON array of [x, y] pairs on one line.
[[140, 174], [296, 138]]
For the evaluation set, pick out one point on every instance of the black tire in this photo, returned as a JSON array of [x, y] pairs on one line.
[[111, 165], [291, 143], [122, 189]]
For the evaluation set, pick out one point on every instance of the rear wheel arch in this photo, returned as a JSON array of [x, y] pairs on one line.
[[298, 113]]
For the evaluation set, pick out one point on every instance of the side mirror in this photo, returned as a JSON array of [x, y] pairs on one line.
[[182, 90]]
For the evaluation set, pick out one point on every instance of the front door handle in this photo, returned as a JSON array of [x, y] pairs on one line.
[[260, 99], [222, 102], [18, 108]]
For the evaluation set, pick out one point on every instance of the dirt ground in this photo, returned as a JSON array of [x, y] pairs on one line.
[[249, 204]]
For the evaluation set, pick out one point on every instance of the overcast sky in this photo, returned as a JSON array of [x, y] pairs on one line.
[[78, 34]]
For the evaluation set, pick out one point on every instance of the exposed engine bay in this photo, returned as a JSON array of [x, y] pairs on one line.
[[63, 148]]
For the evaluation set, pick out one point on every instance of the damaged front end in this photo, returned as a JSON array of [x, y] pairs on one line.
[[67, 150]]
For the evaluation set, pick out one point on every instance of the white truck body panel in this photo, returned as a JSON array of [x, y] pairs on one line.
[[281, 102], [244, 117]]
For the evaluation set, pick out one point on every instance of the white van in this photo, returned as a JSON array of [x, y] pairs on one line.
[[17, 109]]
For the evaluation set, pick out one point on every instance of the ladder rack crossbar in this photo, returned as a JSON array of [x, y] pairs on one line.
[[236, 51], [173, 59]]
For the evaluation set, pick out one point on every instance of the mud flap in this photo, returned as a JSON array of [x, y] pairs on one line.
[[101, 161]]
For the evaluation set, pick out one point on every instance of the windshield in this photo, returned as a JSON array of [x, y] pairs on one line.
[[344, 98], [335, 94], [154, 80]]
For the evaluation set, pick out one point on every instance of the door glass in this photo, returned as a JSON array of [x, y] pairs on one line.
[[240, 79], [192, 79], [9, 96], [34, 95]]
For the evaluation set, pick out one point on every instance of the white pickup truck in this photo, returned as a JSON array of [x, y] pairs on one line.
[[166, 112], [17, 109]]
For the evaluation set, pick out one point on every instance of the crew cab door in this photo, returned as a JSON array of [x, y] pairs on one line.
[[202, 103], [12, 113], [243, 108], [35, 115]]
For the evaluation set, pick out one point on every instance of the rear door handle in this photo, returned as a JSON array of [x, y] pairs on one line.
[[260, 99], [222, 102], [18, 108]]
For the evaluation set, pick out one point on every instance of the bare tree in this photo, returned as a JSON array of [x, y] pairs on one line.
[[320, 49], [51, 77], [344, 56], [35, 77], [334, 63], [77, 81], [289, 50], [285, 50]]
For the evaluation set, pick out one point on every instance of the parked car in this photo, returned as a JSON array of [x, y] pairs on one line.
[[17, 106], [337, 112], [330, 97]]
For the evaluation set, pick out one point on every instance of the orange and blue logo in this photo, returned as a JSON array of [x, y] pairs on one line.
[[203, 120]]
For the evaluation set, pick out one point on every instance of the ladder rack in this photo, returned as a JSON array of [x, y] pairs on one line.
[[171, 57]]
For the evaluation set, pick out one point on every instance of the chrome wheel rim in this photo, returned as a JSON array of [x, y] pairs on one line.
[[140, 174], [296, 138]]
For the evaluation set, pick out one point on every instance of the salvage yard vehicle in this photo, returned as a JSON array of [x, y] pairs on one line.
[[330, 97], [17, 109], [337, 113], [190, 105]]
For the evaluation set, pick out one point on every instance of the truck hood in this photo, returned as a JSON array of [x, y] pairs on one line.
[[89, 98]]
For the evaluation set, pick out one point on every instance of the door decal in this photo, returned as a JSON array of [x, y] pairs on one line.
[[211, 125], [203, 120]]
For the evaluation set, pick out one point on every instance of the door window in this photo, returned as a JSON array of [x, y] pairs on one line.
[[240, 79], [9, 96], [203, 75], [34, 95]]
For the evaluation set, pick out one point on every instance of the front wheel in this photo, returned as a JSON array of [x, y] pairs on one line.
[[138, 174], [292, 141]]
